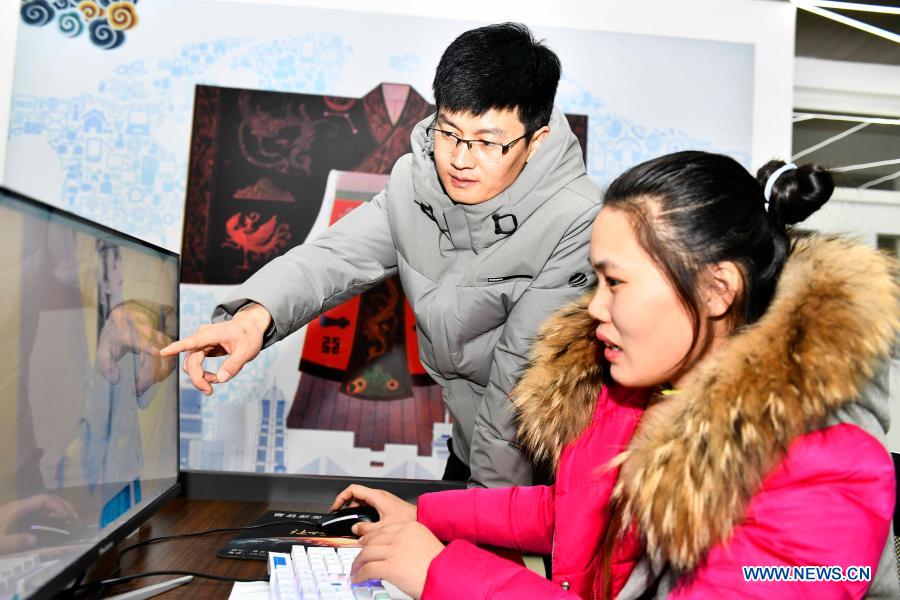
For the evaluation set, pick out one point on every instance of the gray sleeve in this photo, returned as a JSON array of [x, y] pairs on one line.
[[353, 255], [494, 459]]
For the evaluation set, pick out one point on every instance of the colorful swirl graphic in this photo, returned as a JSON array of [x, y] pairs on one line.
[[106, 20], [122, 16], [70, 24], [37, 13], [105, 36], [90, 10]]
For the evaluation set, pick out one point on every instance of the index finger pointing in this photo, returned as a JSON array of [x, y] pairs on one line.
[[178, 347], [197, 341]]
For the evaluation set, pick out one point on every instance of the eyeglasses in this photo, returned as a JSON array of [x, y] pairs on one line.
[[482, 150]]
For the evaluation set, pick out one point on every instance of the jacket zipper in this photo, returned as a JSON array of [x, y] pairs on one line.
[[504, 278]]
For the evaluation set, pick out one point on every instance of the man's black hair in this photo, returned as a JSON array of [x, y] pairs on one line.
[[500, 67]]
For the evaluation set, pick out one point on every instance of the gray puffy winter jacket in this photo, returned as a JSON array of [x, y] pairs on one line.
[[479, 278]]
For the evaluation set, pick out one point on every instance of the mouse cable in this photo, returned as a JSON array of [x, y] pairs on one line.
[[166, 538]]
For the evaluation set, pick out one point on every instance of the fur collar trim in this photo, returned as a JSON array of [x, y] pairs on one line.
[[697, 457]]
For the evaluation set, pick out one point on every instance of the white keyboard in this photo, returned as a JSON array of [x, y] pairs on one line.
[[323, 573]]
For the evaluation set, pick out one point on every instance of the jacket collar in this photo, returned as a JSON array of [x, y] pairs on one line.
[[556, 164], [698, 457]]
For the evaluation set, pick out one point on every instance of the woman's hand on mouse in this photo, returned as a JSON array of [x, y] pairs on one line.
[[399, 553], [391, 509]]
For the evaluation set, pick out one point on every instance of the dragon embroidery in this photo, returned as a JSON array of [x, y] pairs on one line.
[[276, 137], [380, 326]]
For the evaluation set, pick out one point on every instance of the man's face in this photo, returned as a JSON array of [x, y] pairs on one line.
[[469, 179]]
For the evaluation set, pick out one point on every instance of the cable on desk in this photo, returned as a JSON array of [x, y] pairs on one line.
[[167, 538], [117, 580]]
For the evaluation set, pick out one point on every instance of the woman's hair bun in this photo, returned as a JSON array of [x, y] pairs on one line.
[[797, 193]]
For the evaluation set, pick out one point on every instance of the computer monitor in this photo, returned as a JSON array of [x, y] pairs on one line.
[[88, 408]]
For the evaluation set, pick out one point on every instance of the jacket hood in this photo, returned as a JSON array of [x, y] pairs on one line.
[[697, 457], [556, 164]]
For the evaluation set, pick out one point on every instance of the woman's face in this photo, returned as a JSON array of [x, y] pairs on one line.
[[645, 328]]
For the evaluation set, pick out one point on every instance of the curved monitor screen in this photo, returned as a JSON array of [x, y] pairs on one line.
[[88, 408]]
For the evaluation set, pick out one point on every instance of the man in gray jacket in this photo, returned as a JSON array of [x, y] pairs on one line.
[[487, 222]]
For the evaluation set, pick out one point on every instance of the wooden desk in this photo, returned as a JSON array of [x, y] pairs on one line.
[[183, 515], [213, 500]]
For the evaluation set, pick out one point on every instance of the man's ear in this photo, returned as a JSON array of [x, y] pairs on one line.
[[725, 283], [536, 140]]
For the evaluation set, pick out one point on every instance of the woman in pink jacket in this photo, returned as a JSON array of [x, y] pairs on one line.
[[709, 414]]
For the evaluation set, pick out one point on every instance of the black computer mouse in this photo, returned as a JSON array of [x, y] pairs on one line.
[[339, 522]]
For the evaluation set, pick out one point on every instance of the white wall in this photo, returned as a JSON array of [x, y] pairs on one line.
[[847, 87], [767, 25], [862, 213], [9, 26]]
